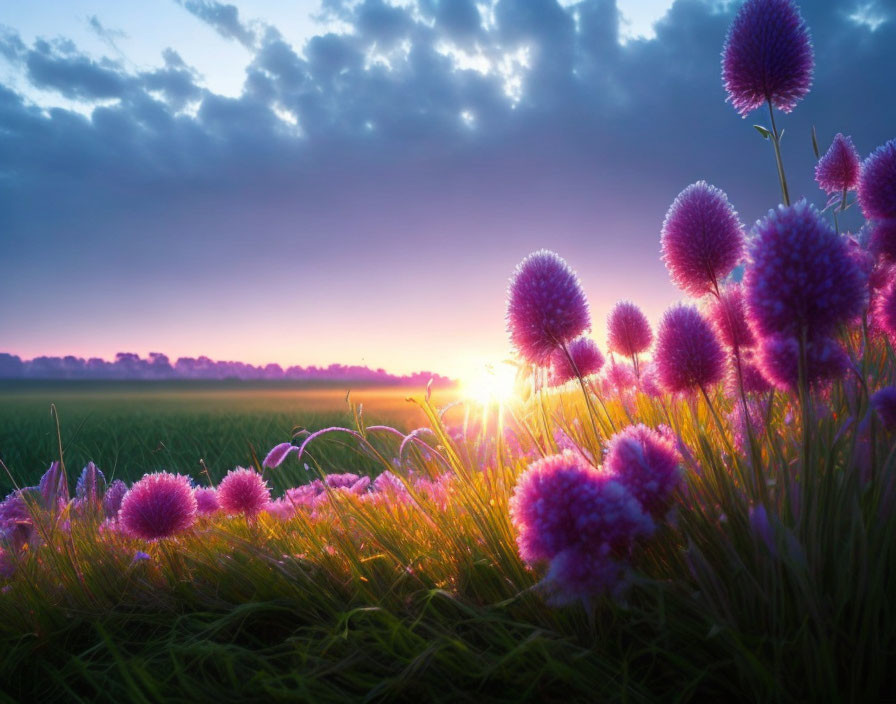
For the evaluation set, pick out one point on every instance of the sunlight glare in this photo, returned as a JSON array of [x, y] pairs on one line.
[[491, 384]]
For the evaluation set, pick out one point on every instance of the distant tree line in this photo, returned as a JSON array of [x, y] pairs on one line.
[[128, 365]]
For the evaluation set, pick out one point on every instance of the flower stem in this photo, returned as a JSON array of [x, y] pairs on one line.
[[776, 141]]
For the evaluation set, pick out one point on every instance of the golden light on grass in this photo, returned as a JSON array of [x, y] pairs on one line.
[[491, 383]]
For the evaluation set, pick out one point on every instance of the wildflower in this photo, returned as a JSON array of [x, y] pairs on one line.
[[629, 332], [206, 500], [243, 491], [884, 403], [649, 381], [885, 310], [767, 56], [158, 506], [546, 306], [54, 487], [883, 238], [618, 377], [140, 556], [579, 573], [838, 170], [800, 277], [91, 484], [278, 454], [113, 497], [688, 354], [646, 464], [702, 238], [877, 183], [779, 361], [563, 503], [16, 523], [581, 358], [738, 420], [750, 377], [728, 314]]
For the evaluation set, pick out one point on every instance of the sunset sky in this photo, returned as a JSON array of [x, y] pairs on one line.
[[354, 182]]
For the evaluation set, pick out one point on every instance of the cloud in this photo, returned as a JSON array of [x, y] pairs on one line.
[[224, 19]]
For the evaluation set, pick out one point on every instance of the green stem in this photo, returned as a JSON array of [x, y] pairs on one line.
[[776, 141]]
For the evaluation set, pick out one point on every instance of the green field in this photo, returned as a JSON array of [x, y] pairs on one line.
[[129, 428]]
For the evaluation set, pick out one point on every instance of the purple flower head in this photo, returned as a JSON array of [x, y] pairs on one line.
[[838, 170], [16, 523], [728, 314], [649, 381], [206, 500], [278, 454], [767, 56], [113, 497], [629, 332], [157, 506], [563, 502], [580, 573], [354, 483], [243, 491], [586, 360], [800, 275], [91, 484], [884, 402], [618, 377], [54, 487], [647, 464], [885, 310], [751, 376], [883, 238], [702, 238], [877, 183], [779, 360], [688, 354], [546, 306]]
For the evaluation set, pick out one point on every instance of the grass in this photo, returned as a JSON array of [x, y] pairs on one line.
[[128, 428], [428, 600]]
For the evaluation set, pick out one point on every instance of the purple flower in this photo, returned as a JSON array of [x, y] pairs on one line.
[[546, 306], [647, 464], [883, 238], [586, 361], [884, 402], [580, 573], [157, 506], [563, 503], [838, 170], [16, 523], [779, 360], [54, 487], [688, 354], [277, 454], [91, 484], [649, 381], [243, 491], [140, 556], [113, 497], [618, 377], [750, 375], [702, 238], [885, 310], [629, 332], [767, 56], [347, 481], [800, 276], [206, 500], [877, 183], [728, 314]]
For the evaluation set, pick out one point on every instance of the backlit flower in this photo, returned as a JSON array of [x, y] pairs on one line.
[[688, 354], [628, 331], [206, 500], [113, 497], [243, 491], [728, 314], [838, 170], [877, 183], [647, 464], [580, 358], [546, 306], [779, 360], [158, 506], [767, 56]]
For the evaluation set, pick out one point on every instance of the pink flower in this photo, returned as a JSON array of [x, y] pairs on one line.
[[838, 170], [629, 332], [243, 491], [158, 506], [586, 360], [206, 500], [647, 464], [688, 355]]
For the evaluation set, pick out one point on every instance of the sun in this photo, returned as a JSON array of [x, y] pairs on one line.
[[491, 383]]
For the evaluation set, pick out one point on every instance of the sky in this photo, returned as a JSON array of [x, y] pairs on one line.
[[354, 181]]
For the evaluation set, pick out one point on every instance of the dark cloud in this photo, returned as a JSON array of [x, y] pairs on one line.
[[59, 66]]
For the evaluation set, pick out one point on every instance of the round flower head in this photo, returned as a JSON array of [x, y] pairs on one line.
[[206, 500], [546, 306], [562, 502], [243, 491], [113, 497], [728, 314], [586, 360], [779, 360], [883, 238], [885, 310], [157, 506], [619, 376], [838, 169], [647, 464], [688, 354], [628, 330], [800, 275], [702, 238], [649, 381], [751, 377], [767, 56], [884, 403], [877, 183]]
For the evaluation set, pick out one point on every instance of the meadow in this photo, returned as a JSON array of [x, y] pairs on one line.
[[132, 427], [705, 512]]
